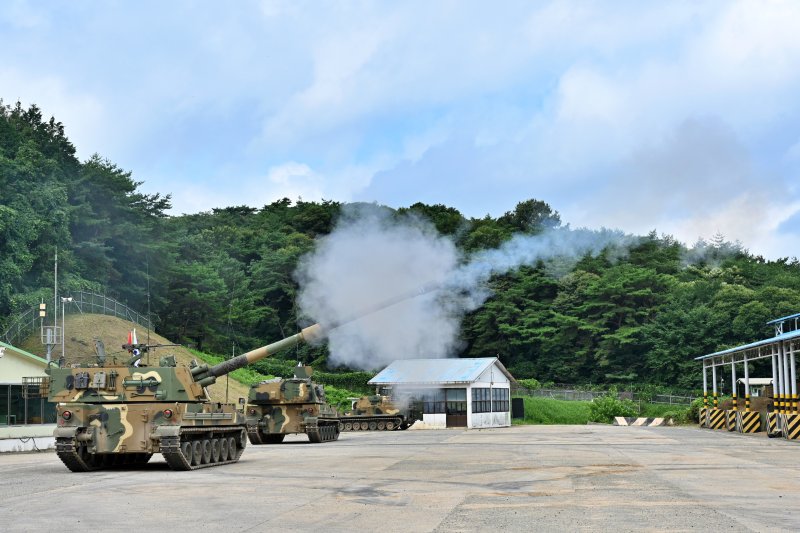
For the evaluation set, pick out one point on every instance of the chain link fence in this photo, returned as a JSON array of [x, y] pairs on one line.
[[571, 394], [82, 302]]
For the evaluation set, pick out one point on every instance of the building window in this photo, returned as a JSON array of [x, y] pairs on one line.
[[500, 400], [433, 402], [16, 409], [481, 400]]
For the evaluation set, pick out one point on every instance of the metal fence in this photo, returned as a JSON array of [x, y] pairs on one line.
[[588, 396], [82, 302]]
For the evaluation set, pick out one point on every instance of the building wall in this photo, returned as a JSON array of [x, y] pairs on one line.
[[13, 366], [14, 408]]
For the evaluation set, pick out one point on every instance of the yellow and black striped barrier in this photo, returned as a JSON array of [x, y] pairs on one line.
[[730, 420], [791, 426], [703, 417], [773, 429], [748, 422], [716, 419]]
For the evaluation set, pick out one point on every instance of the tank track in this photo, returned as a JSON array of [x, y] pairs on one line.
[[371, 423], [178, 458], [256, 436], [323, 430], [77, 458]]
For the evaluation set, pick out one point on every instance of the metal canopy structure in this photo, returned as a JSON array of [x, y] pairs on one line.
[[781, 349]]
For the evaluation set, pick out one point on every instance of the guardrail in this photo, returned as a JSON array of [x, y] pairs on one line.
[[82, 302]]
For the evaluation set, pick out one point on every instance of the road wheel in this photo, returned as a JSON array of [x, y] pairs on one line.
[[186, 450], [373, 426], [348, 426], [197, 453], [389, 426], [364, 426], [206, 444], [215, 452], [223, 449]]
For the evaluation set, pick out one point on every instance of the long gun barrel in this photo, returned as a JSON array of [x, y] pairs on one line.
[[205, 375]]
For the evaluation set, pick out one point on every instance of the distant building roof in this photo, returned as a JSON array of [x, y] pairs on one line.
[[427, 371], [778, 338], [757, 381]]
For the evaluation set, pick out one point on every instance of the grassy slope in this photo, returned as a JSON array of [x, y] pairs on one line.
[[113, 331]]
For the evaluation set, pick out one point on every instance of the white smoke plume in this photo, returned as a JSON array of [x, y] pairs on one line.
[[373, 256]]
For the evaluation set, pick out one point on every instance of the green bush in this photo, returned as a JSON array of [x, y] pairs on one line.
[[605, 408], [530, 383], [338, 398]]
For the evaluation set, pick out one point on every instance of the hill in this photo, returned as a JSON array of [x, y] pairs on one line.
[[83, 329]]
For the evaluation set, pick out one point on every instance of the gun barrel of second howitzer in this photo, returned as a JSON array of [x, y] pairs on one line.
[[208, 375]]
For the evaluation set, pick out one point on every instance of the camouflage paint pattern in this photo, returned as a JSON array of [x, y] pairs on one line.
[[285, 406], [135, 428], [374, 405]]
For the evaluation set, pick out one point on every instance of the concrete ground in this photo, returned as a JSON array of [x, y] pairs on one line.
[[544, 478]]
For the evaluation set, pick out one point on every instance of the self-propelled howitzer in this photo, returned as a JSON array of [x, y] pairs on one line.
[[111, 413]]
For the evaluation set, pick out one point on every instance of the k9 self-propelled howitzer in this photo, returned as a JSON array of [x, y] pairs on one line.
[[111, 414], [279, 407]]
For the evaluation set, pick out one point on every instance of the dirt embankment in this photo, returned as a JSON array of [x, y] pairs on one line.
[[82, 330]]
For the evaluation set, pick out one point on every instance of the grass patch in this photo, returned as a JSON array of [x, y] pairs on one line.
[[549, 411]]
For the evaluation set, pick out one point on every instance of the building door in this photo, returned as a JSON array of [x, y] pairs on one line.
[[456, 406]]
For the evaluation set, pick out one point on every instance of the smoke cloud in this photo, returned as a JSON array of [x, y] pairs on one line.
[[374, 256]]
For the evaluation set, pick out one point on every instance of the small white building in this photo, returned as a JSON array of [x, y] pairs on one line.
[[472, 393]]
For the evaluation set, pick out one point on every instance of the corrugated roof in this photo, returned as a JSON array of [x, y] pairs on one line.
[[743, 347], [781, 319], [426, 371]]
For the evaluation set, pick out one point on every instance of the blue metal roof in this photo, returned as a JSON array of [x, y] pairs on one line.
[[771, 340], [418, 371], [784, 318]]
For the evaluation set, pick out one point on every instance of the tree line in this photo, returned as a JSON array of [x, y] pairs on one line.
[[222, 280]]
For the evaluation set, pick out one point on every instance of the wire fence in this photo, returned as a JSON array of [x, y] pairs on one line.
[[588, 396], [82, 302]]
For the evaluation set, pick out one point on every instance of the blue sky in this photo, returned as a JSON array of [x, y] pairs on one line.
[[682, 117]]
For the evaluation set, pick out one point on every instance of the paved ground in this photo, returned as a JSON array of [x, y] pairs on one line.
[[545, 478]]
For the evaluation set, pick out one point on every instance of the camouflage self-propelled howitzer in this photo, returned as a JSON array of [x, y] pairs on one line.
[[279, 407], [113, 414], [379, 413]]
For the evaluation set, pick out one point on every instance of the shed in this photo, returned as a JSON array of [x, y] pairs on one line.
[[472, 393], [15, 407]]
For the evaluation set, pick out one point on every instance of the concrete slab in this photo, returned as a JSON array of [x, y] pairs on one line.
[[574, 478]]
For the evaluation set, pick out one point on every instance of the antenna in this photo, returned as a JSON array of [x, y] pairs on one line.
[[147, 267], [230, 333]]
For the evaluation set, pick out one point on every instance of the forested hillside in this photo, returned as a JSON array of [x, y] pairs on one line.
[[225, 277]]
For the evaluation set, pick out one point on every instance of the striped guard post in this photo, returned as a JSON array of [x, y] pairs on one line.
[[730, 419], [629, 421], [772, 424], [704, 417], [791, 427], [748, 422], [716, 419]]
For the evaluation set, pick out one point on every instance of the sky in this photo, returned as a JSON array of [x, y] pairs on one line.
[[681, 117]]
